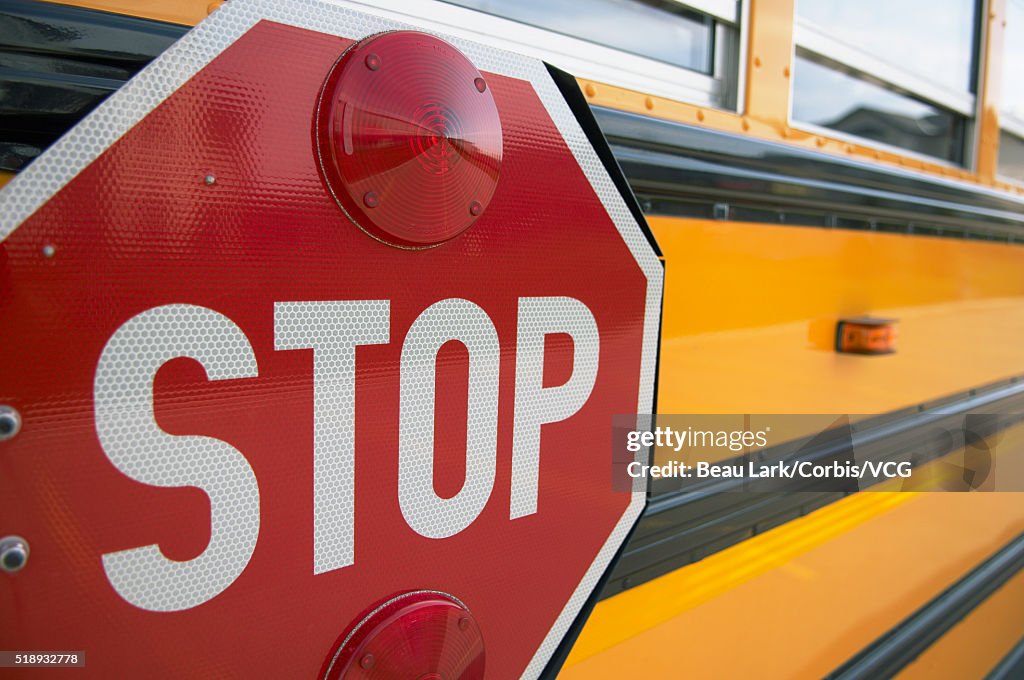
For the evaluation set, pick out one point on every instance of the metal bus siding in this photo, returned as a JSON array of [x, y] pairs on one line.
[[689, 171]]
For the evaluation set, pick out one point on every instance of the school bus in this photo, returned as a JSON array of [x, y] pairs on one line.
[[802, 164]]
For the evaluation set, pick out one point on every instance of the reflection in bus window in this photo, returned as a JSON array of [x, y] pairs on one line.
[[1012, 93], [1011, 156], [658, 30], [830, 98], [932, 39]]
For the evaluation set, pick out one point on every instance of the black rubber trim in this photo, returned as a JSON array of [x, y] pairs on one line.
[[892, 652], [668, 160], [570, 90], [682, 527], [557, 660], [1012, 665]]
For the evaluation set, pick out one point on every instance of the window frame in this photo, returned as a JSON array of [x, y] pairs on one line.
[[727, 11]]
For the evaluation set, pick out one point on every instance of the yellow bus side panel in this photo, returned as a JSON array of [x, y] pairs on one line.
[[751, 309], [799, 600]]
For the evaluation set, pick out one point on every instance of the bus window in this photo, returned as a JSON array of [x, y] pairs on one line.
[[1011, 116], [901, 74], [687, 52], [663, 31]]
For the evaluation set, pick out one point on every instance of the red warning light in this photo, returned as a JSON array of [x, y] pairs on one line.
[[408, 138], [421, 635]]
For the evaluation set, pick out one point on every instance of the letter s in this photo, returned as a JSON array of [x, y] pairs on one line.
[[135, 444]]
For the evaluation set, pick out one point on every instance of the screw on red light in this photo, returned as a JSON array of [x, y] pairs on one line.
[[408, 138], [421, 634]]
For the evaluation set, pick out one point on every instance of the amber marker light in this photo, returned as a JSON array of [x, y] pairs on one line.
[[866, 335]]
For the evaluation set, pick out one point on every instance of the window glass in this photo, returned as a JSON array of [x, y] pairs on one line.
[[1011, 156], [830, 98], [933, 39], [662, 31], [1012, 93]]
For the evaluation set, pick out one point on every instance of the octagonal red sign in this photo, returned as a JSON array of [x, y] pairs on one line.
[[250, 425]]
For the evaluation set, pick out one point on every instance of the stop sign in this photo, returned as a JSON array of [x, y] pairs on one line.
[[300, 385]]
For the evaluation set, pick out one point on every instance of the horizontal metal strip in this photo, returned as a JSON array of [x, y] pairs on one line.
[[681, 527], [901, 645], [654, 134], [665, 158], [653, 174], [1012, 665], [666, 548], [727, 209]]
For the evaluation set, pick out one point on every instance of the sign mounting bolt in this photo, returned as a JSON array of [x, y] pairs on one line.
[[13, 553], [10, 422]]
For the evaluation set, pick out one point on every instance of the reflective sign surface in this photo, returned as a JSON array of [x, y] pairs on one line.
[[245, 421]]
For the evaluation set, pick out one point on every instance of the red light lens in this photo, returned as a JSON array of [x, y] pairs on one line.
[[419, 635], [409, 139]]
